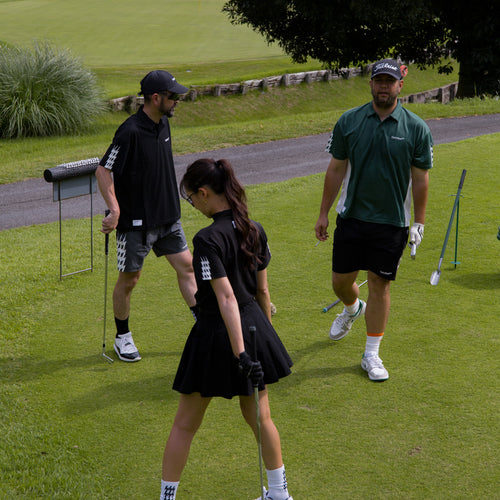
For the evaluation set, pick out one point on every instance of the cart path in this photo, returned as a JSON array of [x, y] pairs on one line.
[[30, 202]]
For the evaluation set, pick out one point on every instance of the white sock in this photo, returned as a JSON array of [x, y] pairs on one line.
[[353, 308], [373, 343], [277, 485], [168, 490]]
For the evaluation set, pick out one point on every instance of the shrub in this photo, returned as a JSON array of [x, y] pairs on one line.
[[45, 92]]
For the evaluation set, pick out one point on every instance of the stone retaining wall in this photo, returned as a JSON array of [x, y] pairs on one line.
[[442, 94]]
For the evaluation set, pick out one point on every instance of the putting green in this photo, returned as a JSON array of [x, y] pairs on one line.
[[127, 32]]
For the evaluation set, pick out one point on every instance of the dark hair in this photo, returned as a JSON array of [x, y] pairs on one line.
[[219, 176]]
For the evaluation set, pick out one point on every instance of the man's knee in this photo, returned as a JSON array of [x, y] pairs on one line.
[[182, 262], [127, 281]]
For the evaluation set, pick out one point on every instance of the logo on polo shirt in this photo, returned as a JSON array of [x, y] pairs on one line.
[[206, 274]]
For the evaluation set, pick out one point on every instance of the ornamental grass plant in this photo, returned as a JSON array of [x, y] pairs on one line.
[[45, 91]]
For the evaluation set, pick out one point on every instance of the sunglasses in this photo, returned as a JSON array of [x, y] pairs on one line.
[[171, 96]]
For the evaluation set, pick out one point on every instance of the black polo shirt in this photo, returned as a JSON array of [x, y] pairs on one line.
[[217, 254], [141, 160]]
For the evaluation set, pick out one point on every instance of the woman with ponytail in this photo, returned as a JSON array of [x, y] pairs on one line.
[[230, 258]]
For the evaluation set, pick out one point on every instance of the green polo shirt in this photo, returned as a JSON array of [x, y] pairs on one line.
[[377, 185]]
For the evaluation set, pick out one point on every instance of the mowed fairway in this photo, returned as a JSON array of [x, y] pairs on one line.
[[127, 32]]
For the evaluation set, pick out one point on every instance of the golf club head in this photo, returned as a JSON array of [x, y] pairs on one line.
[[107, 358], [435, 277]]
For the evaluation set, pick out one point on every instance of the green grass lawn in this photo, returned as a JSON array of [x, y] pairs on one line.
[[74, 426], [122, 33]]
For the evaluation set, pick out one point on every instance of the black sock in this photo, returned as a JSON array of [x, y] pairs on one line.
[[121, 326]]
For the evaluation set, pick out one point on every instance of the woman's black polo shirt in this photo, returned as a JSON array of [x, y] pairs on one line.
[[141, 160]]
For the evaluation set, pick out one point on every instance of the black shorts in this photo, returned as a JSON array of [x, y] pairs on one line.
[[365, 245], [132, 247]]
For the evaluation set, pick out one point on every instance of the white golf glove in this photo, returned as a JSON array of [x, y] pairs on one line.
[[416, 234]]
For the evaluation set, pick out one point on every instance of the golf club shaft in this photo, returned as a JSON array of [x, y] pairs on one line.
[[106, 253], [450, 224], [253, 338], [329, 306]]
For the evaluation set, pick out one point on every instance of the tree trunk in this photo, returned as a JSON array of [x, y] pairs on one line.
[[466, 82]]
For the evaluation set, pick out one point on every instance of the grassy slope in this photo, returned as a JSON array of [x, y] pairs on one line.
[[110, 33], [211, 123], [74, 426]]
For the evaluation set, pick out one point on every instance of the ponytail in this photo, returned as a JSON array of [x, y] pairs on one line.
[[219, 176]]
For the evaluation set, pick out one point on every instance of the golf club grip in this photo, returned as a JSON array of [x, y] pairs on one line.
[[106, 237], [329, 306], [253, 340]]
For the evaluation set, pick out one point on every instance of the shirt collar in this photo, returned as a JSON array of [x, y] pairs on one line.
[[146, 122], [396, 114], [224, 214]]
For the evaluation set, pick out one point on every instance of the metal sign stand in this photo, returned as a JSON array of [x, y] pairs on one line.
[[69, 181]]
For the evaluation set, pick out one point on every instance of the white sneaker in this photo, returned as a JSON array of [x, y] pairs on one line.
[[372, 364], [269, 498], [125, 348], [343, 322]]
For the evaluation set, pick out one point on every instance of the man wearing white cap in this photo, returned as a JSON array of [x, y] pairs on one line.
[[137, 180], [381, 156]]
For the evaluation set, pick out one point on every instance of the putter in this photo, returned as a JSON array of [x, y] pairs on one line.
[[437, 273], [106, 253], [257, 408], [329, 306]]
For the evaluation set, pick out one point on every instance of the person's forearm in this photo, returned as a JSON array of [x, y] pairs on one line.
[[107, 189], [230, 314], [420, 189]]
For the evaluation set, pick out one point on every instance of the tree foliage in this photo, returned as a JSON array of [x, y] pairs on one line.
[[342, 33]]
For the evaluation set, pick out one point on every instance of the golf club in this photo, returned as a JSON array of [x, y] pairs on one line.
[[106, 253], [328, 307], [437, 273], [253, 339], [413, 251]]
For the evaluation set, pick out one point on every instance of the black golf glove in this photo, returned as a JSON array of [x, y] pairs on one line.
[[251, 369]]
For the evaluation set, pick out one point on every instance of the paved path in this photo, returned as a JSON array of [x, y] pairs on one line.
[[30, 202]]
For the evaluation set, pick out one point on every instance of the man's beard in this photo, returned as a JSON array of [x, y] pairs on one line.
[[388, 102]]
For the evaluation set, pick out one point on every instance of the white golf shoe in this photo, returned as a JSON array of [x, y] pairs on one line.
[[267, 497], [343, 322], [373, 365], [125, 348]]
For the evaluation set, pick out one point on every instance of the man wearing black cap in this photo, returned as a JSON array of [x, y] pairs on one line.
[[381, 155], [137, 180]]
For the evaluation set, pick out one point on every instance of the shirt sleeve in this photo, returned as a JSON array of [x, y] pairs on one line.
[[265, 252], [423, 156], [336, 145], [115, 157], [207, 261]]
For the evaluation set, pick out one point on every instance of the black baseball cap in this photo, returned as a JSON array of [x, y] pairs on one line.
[[387, 67], [161, 81]]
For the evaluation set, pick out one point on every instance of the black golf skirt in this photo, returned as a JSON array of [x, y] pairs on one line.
[[209, 367]]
